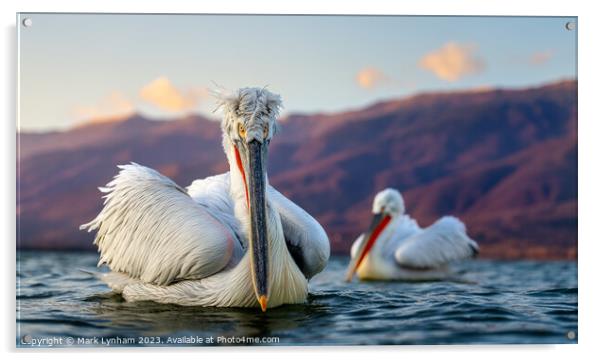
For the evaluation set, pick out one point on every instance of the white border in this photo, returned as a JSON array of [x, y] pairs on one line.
[[590, 179]]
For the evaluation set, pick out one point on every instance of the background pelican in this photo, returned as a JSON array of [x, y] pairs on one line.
[[228, 240], [396, 248]]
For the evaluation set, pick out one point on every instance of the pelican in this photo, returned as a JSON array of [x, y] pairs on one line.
[[396, 248], [229, 240]]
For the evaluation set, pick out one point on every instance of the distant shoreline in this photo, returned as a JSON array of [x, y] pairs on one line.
[[509, 259]]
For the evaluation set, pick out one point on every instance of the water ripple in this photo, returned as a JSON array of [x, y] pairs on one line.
[[504, 302]]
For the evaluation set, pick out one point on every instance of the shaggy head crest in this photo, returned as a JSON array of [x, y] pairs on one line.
[[250, 113], [388, 201]]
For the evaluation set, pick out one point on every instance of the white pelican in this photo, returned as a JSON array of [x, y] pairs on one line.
[[229, 240], [396, 248]]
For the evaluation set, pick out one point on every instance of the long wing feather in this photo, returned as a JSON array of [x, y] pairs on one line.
[[306, 240], [151, 229], [443, 242]]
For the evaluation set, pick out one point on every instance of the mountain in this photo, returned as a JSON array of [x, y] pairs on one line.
[[503, 160]]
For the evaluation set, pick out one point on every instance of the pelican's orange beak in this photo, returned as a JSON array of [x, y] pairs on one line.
[[263, 302], [379, 222]]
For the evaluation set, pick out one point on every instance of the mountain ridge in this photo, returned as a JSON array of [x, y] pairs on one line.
[[503, 160]]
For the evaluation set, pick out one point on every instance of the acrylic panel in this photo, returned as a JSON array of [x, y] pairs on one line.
[[205, 180]]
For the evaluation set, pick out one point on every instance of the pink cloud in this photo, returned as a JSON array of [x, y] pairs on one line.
[[370, 77], [164, 95], [540, 57], [453, 61], [114, 105]]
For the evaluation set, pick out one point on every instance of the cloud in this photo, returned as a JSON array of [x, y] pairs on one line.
[[540, 57], [453, 61], [369, 78], [114, 105], [164, 95]]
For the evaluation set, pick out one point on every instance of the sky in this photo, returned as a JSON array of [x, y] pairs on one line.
[[76, 68]]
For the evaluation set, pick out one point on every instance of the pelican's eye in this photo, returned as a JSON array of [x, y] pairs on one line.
[[242, 132]]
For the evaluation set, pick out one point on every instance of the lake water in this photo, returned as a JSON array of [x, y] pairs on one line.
[[504, 302]]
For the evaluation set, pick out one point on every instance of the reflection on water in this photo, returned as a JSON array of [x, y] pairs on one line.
[[504, 302]]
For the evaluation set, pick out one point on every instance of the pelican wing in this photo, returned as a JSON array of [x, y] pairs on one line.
[[213, 194], [151, 229], [306, 240], [443, 242]]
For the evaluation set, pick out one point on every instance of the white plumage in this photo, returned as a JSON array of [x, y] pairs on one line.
[[195, 246], [404, 251], [152, 230], [443, 242]]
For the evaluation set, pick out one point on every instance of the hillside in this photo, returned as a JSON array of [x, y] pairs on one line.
[[505, 161]]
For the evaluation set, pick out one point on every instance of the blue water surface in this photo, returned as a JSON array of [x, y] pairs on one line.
[[496, 302]]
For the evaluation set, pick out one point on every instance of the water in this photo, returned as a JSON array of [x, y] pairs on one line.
[[507, 302]]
